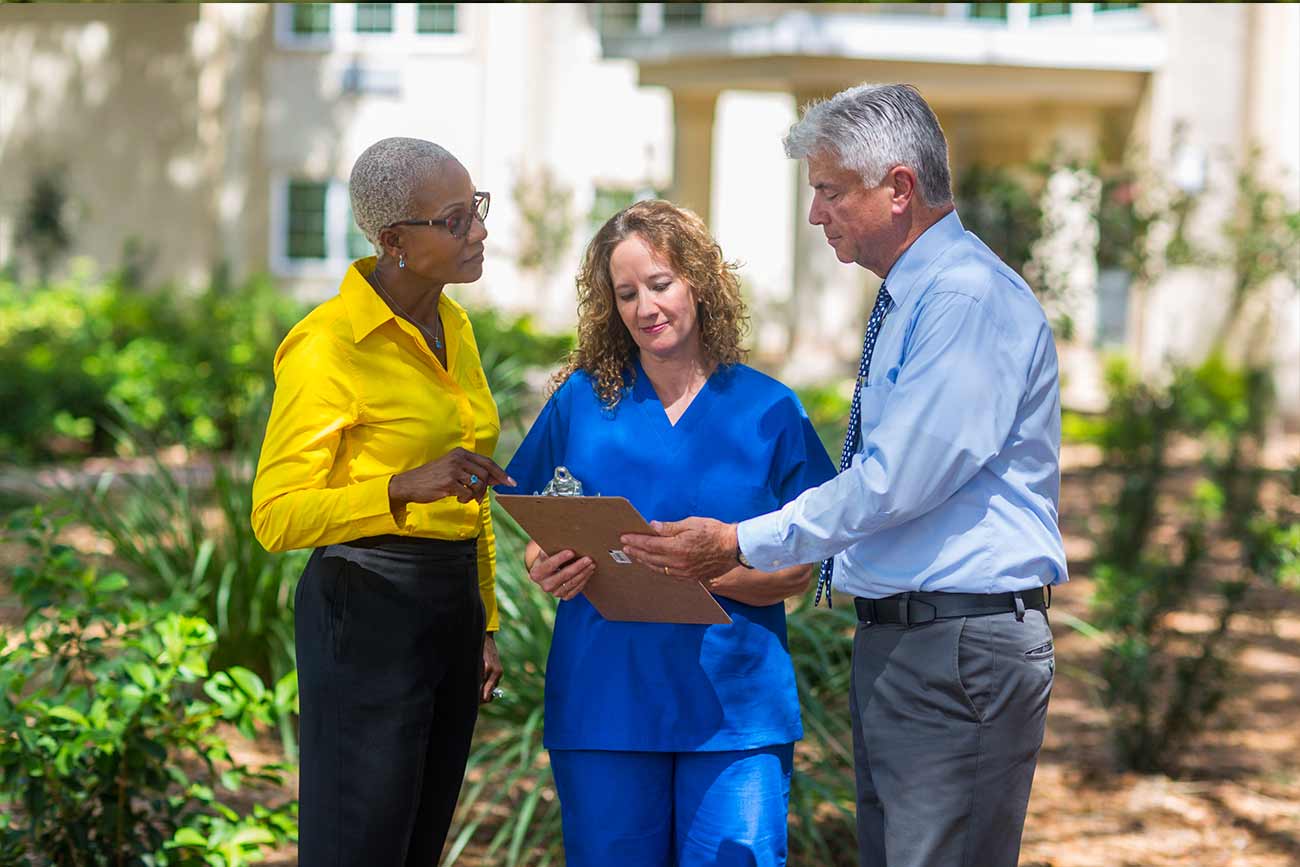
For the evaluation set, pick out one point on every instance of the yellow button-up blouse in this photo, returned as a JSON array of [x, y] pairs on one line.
[[359, 396]]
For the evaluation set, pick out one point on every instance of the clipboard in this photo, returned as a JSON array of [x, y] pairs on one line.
[[621, 588]]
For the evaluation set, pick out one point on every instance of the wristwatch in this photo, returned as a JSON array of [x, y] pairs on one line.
[[742, 559]]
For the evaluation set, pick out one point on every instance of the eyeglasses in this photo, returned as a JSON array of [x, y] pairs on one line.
[[459, 223]]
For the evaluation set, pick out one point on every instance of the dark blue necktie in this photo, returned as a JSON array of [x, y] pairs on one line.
[[855, 421]]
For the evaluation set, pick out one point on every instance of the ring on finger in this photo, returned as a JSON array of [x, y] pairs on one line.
[[666, 572], [473, 479]]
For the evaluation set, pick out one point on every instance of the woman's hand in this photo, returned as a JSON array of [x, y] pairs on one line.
[[562, 575], [492, 669], [462, 474]]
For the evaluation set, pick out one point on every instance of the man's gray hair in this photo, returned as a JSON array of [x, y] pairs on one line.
[[384, 180], [873, 127]]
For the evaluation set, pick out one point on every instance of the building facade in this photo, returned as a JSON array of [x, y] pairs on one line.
[[211, 133]]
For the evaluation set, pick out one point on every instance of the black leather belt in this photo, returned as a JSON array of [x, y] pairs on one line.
[[909, 609]]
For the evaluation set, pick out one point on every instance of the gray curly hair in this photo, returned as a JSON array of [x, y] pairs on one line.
[[874, 127], [384, 178]]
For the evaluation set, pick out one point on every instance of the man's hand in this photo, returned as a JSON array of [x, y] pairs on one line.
[[696, 548]]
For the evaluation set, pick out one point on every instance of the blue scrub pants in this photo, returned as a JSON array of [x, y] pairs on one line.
[[650, 809]]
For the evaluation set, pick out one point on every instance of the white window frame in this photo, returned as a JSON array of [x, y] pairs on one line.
[[403, 38], [1081, 16], [336, 258]]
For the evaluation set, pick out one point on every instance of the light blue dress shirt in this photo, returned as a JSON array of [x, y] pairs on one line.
[[955, 481]]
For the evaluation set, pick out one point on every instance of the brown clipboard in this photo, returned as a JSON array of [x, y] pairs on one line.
[[621, 588]]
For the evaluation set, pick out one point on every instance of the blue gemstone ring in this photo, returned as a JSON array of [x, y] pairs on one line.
[[473, 479]]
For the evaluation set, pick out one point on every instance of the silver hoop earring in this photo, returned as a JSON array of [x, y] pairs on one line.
[[401, 261]]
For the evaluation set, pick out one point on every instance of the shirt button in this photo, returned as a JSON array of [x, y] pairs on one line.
[[776, 563]]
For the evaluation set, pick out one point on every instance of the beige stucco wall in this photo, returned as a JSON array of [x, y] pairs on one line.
[[131, 104]]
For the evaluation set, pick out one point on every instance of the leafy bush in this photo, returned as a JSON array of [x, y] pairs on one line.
[[187, 540], [80, 356], [828, 410], [510, 349], [1002, 210], [108, 744], [1161, 687]]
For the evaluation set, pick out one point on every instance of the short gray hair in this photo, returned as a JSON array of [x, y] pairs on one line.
[[384, 179], [874, 127]]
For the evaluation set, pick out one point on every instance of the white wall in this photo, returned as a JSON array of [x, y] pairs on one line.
[[754, 202]]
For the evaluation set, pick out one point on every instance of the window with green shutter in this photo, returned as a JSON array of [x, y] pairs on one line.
[[374, 18], [435, 18], [683, 15], [311, 18], [987, 11], [1047, 10], [306, 224]]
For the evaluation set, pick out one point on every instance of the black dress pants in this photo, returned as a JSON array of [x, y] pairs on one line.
[[390, 654]]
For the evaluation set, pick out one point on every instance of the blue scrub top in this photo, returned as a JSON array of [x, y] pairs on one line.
[[744, 447]]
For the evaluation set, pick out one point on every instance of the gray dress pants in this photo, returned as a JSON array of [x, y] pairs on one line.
[[948, 720]]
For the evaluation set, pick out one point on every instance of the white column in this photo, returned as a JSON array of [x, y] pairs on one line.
[[693, 114]]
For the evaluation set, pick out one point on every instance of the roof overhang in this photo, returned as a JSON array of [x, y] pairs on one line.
[[954, 61]]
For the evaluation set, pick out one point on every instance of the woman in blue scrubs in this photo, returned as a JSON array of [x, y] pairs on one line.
[[670, 744]]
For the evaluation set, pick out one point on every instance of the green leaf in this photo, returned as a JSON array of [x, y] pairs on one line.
[[286, 693], [112, 583], [251, 836], [248, 682], [190, 837], [71, 715], [143, 675]]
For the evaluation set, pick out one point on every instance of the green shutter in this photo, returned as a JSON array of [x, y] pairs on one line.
[[311, 18], [435, 18], [374, 18], [306, 222]]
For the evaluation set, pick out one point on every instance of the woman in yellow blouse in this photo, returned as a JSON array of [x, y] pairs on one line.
[[378, 455]]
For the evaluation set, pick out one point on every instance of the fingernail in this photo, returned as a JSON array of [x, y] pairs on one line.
[[512, 482]]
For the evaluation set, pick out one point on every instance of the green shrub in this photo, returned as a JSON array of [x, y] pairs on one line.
[[187, 540], [1002, 210], [109, 718], [828, 410], [1160, 686], [80, 356], [510, 348]]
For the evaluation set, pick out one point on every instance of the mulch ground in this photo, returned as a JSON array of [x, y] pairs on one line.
[[1234, 801]]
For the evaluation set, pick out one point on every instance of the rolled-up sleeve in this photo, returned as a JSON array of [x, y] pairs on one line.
[[315, 401], [948, 413]]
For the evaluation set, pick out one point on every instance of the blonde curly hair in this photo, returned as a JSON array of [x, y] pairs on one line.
[[605, 348]]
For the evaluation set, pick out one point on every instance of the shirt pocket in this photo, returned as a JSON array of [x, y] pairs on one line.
[[871, 403]]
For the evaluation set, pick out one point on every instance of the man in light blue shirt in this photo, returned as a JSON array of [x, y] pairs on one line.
[[943, 520]]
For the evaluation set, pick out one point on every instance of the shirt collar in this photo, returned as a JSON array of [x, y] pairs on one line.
[[910, 267], [366, 310]]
